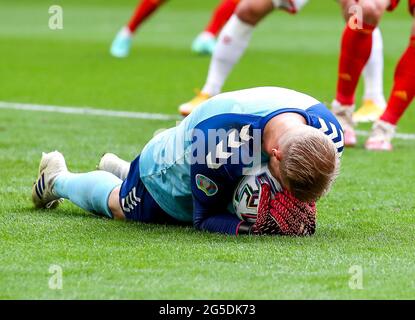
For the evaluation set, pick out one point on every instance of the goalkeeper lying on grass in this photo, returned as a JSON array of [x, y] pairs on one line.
[[189, 173]]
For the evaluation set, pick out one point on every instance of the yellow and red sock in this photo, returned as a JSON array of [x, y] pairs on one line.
[[143, 10], [404, 86], [356, 47], [221, 15]]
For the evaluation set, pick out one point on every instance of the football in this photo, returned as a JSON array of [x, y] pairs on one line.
[[246, 196]]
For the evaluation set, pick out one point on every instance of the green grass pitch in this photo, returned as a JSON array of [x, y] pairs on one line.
[[367, 221]]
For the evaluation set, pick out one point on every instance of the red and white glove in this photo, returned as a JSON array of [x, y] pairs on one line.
[[284, 215]]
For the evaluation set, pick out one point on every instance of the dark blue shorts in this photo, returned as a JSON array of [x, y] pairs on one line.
[[137, 203]]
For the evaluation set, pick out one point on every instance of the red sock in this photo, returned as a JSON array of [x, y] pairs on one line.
[[404, 87], [143, 10], [221, 15], [355, 52]]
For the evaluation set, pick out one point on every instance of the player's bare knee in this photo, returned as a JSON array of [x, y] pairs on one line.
[[373, 10], [370, 11], [114, 204], [346, 4], [347, 8], [253, 11]]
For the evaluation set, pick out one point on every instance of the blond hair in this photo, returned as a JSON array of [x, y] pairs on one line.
[[309, 164]]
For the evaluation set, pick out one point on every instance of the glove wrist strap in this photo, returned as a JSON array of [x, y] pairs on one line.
[[244, 228]]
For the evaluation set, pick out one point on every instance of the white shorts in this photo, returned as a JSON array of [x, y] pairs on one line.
[[292, 6]]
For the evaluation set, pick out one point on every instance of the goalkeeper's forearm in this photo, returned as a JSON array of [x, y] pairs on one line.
[[222, 223]]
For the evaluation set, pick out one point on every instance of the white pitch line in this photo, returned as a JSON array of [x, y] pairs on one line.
[[403, 136], [87, 111], [126, 114]]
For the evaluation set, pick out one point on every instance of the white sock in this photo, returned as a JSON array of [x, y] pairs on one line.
[[231, 44], [125, 32], [373, 71], [206, 35]]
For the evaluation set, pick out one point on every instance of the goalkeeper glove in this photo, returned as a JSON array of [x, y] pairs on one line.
[[284, 215]]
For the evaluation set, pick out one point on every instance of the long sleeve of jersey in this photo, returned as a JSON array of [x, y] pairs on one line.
[[210, 189], [215, 222]]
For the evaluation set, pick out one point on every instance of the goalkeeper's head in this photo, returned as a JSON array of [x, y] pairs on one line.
[[306, 162]]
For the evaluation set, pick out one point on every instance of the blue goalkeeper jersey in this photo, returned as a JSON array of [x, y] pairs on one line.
[[191, 170]]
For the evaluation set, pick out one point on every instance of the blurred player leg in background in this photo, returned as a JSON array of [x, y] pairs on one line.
[[232, 42], [205, 42], [403, 92], [374, 102], [356, 47], [121, 45]]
